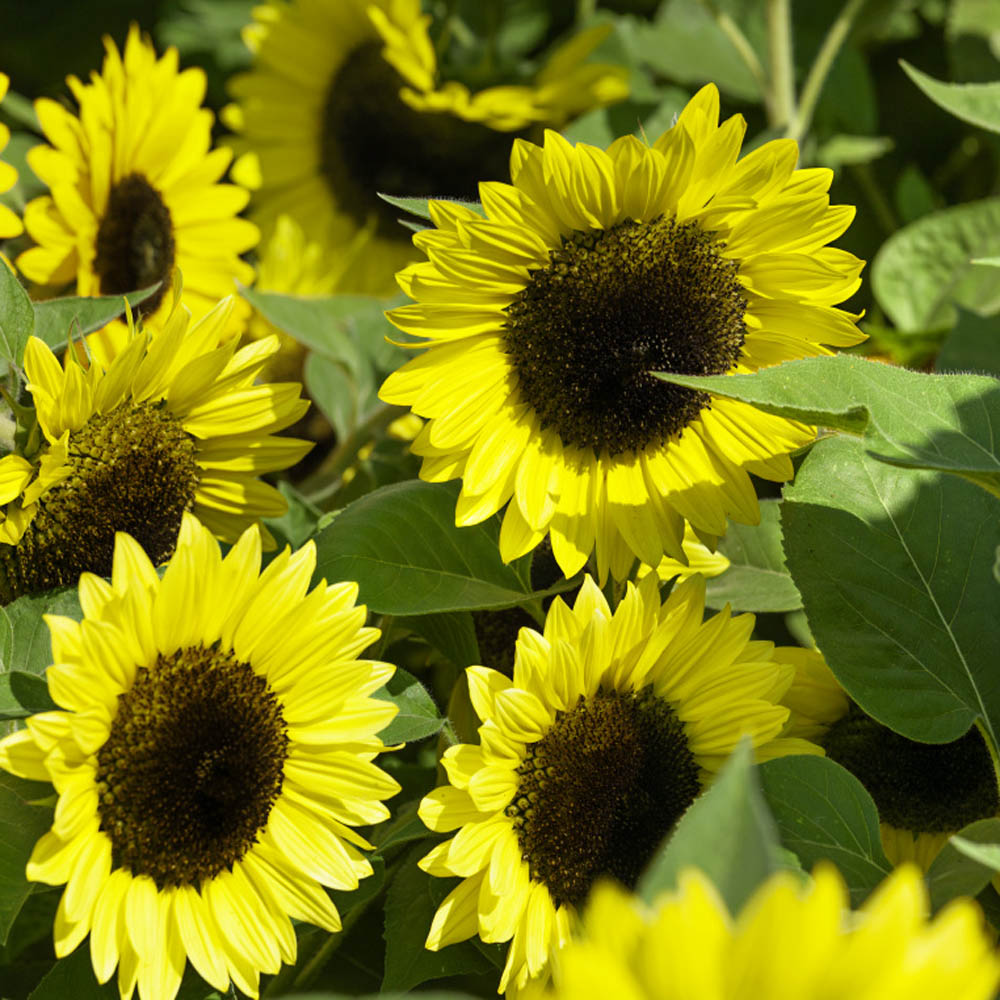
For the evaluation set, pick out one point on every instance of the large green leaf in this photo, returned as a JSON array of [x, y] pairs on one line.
[[21, 824], [925, 269], [30, 648], [976, 103], [418, 715], [17, 318], [944, 422], [412, 899], [727, 833], [401, 545], [757, 578], [22, 694], [824, 813], [965, 867], [56, 319], [895, 568]]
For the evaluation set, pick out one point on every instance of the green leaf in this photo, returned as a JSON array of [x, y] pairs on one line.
[[401, 545], [418, 715], [973, 346], [727, 833], [22, 694], [73, 976], [925, 269], [943, 422], [412, 898], [21, 824], [17, 318], [840, 150], [404, 828], [56, 319], [976, 103], [895, 569], [31, 649], [420, 207], [966, 864], [318, 323], [757, 578], [452, 634], [824, 813]]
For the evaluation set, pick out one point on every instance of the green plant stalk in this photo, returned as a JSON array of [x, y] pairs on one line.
[[585, 10], [781, 108], [740, 43], [325, 481], [823, 63], [991, 746]]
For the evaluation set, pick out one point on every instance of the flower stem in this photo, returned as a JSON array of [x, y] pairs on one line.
[[782, 112], [822, 65], [741, 43]]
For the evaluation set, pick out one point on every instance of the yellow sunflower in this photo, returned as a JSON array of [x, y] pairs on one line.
[[175, 423], [345, 101], [134, 190], [925, 792], [609, 729], [10, 224], [543, 320], [791, 941], [212, 752]]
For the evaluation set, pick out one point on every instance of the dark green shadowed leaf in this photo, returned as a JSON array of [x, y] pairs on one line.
[[21, 824], [895, 568], [966, 863], [56, 319], [22, 694], [757, 578], [926, 268], [451, 633], [973, 346], [976, 103], [945, 422], [418, 715], [31, 649], [17, 318], [727, 833], [412, 900], [824, 813], [401, 545]]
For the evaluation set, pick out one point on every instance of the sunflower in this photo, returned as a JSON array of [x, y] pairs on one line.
[[10, 224], [344, 101], [609, 729], [212, 753], [543, 320], [134, 190], [175, 423], [791, 940], [925, 792]]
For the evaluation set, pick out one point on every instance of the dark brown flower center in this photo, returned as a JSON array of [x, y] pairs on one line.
[[599, 792], [372, 142], [611, 307], [192, 766], [134, 470], [135, 242], [921, 787]]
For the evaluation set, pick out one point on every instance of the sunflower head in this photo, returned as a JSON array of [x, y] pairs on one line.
[[790, 940], [609, 728], [10, 224], [212, 752], [346, 101], [134, 190], [924, 792], [176, 423], [544, 317]]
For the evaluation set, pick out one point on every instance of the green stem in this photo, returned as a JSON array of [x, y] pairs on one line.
[[741, 43], [822, 65], [991, 746], [884, 213], [446, 29], [324, 953], [585, 10], [325, 481], [781, 108]]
